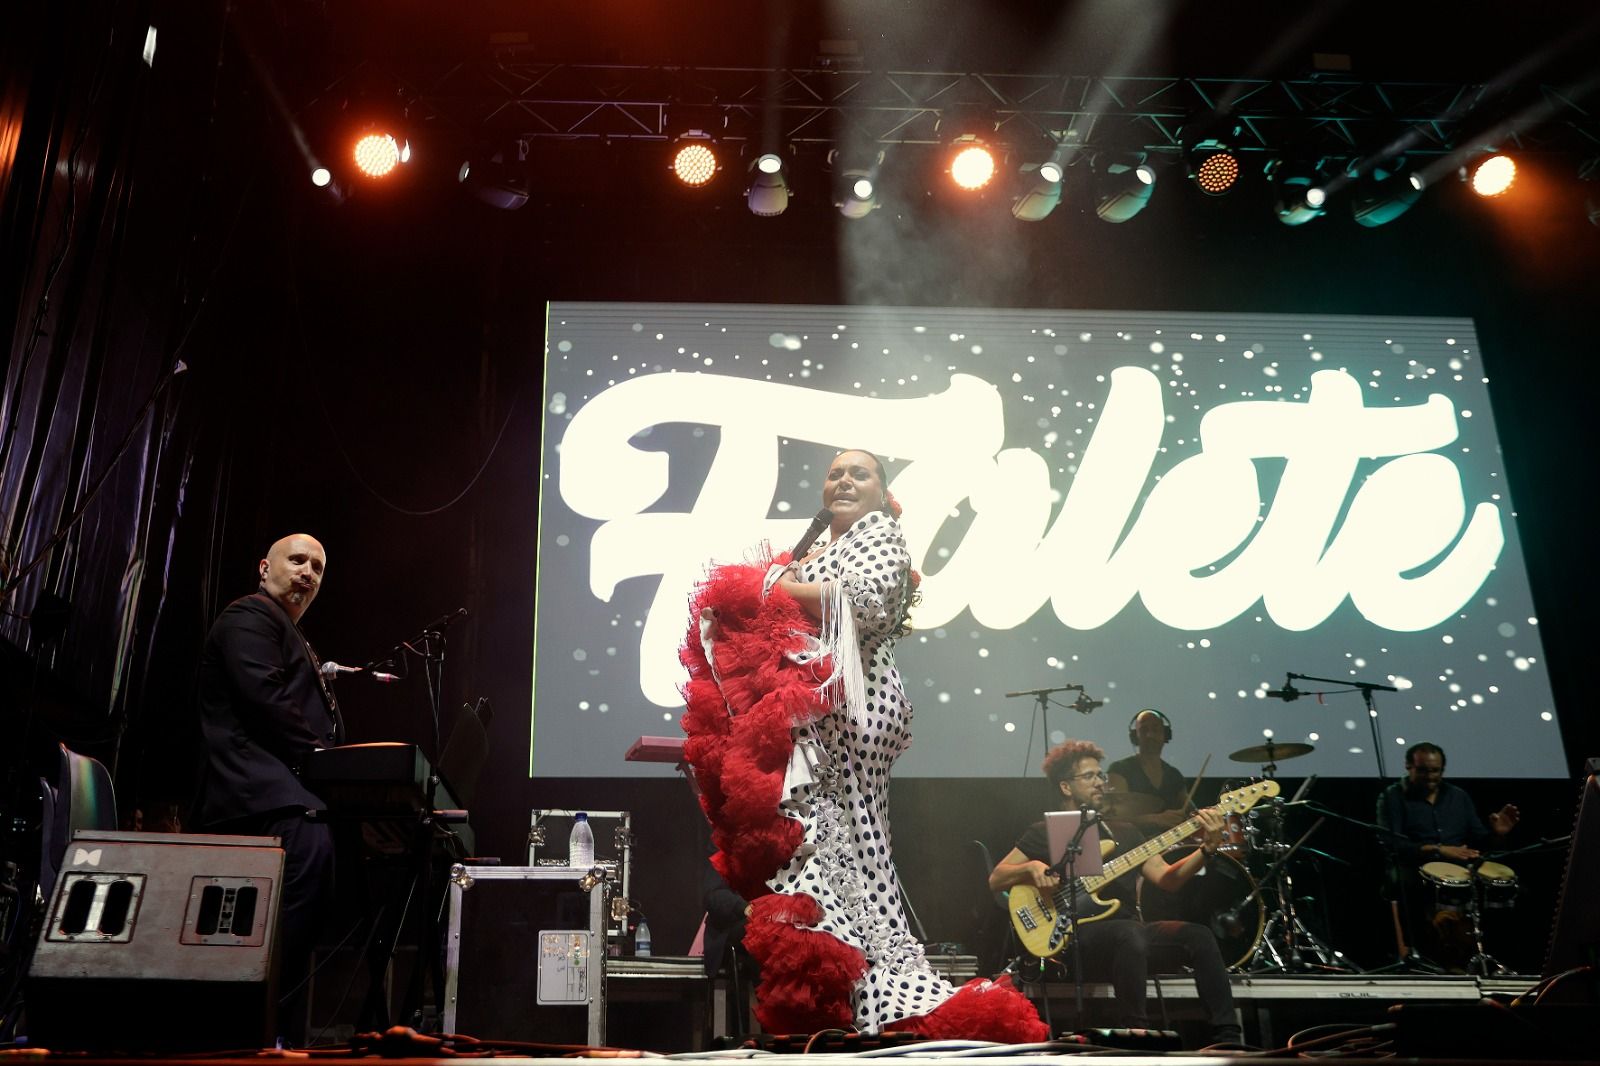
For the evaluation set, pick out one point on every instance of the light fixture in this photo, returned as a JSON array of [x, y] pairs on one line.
[[1123, 186], [1038, 191], [855, 187], [768, 192], [1299, 190], [1493, 175], [1213, 167], [969, 157], [321, 177], [694, 160], [499, 178], [972, 164], [377, 152], [1381, 194]]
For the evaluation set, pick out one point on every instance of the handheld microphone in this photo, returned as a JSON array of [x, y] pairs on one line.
[[813, 531]]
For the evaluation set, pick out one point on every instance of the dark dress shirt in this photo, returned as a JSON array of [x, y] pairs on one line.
[[1450, 819]]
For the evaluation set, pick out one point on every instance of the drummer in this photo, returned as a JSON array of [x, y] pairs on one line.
[[1430, 820], [1157, 797]]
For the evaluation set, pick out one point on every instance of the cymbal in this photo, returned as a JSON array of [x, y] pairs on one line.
[[1129, 804], [1272, 751]]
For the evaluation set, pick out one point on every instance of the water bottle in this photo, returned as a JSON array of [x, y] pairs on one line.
[[641, 939], [580, 844]]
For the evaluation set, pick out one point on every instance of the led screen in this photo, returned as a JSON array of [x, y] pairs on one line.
[[1169, 509]]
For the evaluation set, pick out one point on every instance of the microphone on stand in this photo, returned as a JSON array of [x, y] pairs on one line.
[[1288, 693], [445, 620], [331, 670], [1228, 923], [813, 531], [1083, 704], [1087, 817]]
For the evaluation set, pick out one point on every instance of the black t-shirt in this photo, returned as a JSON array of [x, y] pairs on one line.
[[1170, 788], [1035, 844]]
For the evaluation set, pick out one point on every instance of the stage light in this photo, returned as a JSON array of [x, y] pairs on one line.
[[694, 160], [497, 180], [1039, 191], [1493, 175], [972, 164], [1381, 195], [1213, 167], [1123, 186], [768, 193], [321, 177], [1299, 192], [377, 153], [858, 194], [855, 188]]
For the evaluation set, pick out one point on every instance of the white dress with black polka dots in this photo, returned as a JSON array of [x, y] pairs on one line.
[[845, 860]]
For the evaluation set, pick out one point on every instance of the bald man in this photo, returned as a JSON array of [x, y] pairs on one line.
[[263, 707]]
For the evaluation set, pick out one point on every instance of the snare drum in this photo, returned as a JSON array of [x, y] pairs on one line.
[[1452, 884], [1499, 884]]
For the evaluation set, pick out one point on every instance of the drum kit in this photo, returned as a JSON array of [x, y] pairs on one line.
[[1247, 895]]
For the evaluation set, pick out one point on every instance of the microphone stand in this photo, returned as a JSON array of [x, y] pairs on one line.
[[1074, 849], [429, 646], [1082, 705], [1366, 688]]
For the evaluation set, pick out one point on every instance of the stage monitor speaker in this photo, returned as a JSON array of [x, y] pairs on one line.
[[158, 941], [1575, 927]]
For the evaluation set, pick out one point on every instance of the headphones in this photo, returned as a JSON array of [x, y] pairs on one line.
[[1166, 725]]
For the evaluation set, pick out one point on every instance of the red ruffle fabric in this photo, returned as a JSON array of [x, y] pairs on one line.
[[738, 721], [981, 1010]]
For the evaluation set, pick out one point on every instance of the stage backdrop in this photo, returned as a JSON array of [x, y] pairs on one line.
[[1170, 509]]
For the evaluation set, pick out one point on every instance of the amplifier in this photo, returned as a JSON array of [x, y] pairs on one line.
[[159, 941]]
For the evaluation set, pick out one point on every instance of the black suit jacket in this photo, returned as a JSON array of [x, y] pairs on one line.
[[263, 707]]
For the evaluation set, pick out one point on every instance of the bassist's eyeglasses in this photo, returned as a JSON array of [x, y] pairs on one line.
[[1092, 775]]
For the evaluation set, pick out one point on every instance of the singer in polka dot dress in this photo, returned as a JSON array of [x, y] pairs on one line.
[[845, 862]]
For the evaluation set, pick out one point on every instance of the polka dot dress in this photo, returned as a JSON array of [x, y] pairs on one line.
[[844, 861]]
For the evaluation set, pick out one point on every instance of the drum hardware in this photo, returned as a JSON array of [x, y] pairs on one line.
[[1270, 753], [1482, 963], [1287, 945]]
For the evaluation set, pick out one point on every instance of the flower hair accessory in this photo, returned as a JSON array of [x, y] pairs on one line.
[[891, 504]]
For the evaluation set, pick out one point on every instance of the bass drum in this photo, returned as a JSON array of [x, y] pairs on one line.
[[1213, 893]]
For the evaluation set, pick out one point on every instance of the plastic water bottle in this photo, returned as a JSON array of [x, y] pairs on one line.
[[641, 939], [580, 844]]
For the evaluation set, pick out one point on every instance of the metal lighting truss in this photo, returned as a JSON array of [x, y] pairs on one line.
[[1333, 115]]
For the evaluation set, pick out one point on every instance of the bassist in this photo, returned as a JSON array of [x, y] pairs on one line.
[[1119, 946]]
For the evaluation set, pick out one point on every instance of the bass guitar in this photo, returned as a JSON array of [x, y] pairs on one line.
[[1043, 922]]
